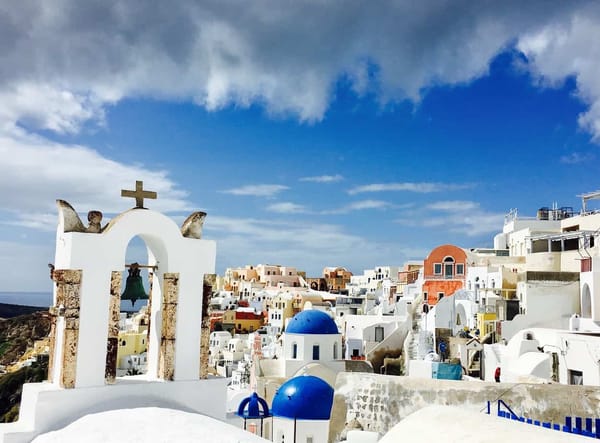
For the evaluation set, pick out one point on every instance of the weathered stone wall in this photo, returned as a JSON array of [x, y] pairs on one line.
[[378, 402], [166, 363], [112, 343], [68, 295], [210, 282]]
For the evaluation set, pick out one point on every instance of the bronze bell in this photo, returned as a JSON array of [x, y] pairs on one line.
[[134, 287]]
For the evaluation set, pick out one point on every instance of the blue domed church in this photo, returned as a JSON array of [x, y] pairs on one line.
[[312, 339], [301, 410]]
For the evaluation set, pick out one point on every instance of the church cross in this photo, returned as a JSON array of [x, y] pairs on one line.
[[139, 194]]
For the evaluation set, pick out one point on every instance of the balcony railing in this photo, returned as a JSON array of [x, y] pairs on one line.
[[445, 277]]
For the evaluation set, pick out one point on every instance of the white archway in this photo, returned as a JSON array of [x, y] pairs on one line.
[[586, 301], [97, 255]]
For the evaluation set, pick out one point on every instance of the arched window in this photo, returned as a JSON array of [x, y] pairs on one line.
[[448, 267], [586, 301], [315, 352]]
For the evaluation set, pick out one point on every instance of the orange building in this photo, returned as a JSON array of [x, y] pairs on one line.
[[444, 272]]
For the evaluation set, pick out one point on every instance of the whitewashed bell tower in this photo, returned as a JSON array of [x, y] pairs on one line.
[[88, 265]]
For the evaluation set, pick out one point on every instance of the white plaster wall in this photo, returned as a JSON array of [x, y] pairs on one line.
[[483, 275], [531, 224], [419, 368], [305, 349], [544, 261], [317, 429], [493, 357], [355, 325], [575, 351], [589, 222], [548, 304], [100, 254], [44, 407]]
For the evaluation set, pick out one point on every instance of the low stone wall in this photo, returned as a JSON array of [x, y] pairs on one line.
[[378, 402]]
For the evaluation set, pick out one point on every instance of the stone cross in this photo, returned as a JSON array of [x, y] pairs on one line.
[[139, 194]]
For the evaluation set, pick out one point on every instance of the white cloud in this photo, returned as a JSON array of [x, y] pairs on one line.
[[82, 55], [37, 172], [576, 157], [306, 245], [47, 107], [257, 190], [359, 206], [570, 47], [463, 217], [286, 208], [453, 205], [323, 178], [423, 187]]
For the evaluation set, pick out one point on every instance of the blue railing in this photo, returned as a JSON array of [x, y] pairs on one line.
[[586, 426]]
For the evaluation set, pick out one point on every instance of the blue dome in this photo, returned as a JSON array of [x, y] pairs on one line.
[[253, 407], [311, 322], [306, 398]]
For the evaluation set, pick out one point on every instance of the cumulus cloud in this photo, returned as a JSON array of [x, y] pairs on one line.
[[44, 106], [37, 172], [323, 178], [286, 57], [257, 190], [570, 47], [423, 187]]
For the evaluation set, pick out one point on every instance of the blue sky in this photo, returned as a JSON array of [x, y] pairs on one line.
[[312, 134]]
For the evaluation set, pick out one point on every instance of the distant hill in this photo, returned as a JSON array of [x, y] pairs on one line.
[[9, 311]]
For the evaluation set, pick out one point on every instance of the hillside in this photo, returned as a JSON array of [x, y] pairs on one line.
[[11, 387], [17, 334], [9, 311]]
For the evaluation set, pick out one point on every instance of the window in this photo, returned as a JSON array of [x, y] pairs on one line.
[[295, 350], [575, 377], [378, 334], [335, 351], [437, 268], [315, 352], [460, 269], [448, 267], [440, 295]]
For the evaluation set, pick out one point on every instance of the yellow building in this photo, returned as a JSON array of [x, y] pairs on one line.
[[131, 342], [242, 320], [486, 322]]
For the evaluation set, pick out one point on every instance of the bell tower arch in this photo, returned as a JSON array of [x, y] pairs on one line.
[[86, 265]]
